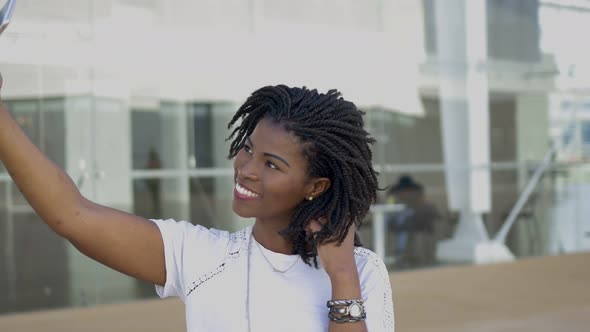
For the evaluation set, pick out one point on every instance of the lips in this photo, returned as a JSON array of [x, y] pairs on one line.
[[245, 192]]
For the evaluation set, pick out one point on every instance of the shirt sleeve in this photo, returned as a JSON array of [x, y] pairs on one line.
[[188, 249], [377, 295]]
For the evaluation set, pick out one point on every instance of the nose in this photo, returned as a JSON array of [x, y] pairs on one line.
[[247, 170]]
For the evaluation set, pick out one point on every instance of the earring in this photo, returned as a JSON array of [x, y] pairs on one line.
[[310, 198]]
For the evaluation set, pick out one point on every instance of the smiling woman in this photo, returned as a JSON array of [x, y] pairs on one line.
[[302, 167], [272, 169], [322, 135], [302, 171]]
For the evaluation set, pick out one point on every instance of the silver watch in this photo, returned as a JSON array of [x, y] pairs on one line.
[[344, 311]]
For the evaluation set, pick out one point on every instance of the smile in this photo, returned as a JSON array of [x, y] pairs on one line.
[[245, 192]]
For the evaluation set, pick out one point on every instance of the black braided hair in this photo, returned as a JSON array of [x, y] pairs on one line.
[[335, 145]]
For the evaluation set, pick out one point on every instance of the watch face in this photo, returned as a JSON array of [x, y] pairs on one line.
[[355, 310]]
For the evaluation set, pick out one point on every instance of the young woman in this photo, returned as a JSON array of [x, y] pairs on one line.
[[302, 171]]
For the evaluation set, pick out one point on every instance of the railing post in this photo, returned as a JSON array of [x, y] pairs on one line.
[[378, 212], [379, 233]]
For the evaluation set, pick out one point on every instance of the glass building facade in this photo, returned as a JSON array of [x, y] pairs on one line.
[[132, 99]]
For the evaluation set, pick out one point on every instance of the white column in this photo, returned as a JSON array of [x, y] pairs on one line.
[[175, 191], [462, 52], [98, 160]]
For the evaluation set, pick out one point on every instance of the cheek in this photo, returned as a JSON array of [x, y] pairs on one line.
[[238, 160], [287, 190]]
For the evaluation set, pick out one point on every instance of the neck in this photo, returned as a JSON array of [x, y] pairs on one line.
[[267, 234]]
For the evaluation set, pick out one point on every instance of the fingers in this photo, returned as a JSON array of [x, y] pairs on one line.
[[316, 225]]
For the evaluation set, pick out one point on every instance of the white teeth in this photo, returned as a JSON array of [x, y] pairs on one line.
[[245, 191]]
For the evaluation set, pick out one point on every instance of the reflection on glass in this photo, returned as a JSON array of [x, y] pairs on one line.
[[147, 202], [39, 277], [200, 136], [146, 139], [204, 202]]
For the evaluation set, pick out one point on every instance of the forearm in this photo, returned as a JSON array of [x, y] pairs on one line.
[[46, 186], [346, 286]]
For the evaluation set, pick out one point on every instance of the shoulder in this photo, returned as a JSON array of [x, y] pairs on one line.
[[240, 236], [171, 227], [191, 234], [367, 256], [370, 265]]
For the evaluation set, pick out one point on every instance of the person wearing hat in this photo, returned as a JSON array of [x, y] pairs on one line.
[[414, 225]]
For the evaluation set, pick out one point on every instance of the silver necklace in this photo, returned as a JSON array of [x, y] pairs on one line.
[[274, 268], [249, 254]]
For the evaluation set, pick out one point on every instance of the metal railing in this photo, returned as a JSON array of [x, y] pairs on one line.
[[524, 196], [379, 229]]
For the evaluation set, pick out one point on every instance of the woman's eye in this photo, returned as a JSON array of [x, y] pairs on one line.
[[271, 165], [247, 149]]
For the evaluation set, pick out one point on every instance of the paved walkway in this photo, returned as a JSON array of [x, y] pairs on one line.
[[540, 294]]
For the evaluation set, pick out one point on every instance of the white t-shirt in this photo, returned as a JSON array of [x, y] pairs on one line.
[[208, 270]]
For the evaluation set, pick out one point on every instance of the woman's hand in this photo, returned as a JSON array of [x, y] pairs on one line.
[[339, 263], [336, 259]]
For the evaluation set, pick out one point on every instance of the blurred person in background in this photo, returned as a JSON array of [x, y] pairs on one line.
[[414, 226], [302, 171], [154, 184]]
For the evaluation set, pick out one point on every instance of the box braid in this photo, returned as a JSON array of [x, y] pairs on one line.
[[335, 145]]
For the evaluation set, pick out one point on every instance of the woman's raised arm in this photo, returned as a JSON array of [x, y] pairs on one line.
[[122, 241]]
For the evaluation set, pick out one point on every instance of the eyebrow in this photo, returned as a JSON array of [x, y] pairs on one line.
[[267, 154]]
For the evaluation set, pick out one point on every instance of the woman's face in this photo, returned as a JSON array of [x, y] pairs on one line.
[[270, 175]]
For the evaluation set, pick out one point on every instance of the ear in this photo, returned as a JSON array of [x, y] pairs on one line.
[[318, 186]]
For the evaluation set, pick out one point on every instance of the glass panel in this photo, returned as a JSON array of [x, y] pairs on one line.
[[200, 123], [205, 204], [147, 198], [207, 134], [146, 139]]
